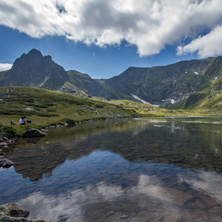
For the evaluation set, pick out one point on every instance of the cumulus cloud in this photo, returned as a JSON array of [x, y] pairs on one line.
[[5, 66], [151, 25], [207, 45]]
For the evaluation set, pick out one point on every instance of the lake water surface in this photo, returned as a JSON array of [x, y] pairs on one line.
[[126, 170]]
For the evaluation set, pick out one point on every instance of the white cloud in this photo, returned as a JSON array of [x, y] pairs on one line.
[[5, 66], [148, 24], [208, 45]]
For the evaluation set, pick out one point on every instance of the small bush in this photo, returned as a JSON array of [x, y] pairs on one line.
[[67, 120]]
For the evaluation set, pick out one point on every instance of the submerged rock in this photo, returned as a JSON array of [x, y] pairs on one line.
[[13, 213], [33, 133], [5, 163]]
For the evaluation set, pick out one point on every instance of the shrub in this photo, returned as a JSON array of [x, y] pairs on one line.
[[67, 120]]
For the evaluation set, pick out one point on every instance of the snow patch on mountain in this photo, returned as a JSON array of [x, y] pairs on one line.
[[143, 101]]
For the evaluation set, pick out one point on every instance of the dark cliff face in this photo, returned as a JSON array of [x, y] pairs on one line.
[[33, 69], [165, 85]]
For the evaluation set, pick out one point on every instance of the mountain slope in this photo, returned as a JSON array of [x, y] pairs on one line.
[[165, 85], [181, 85], [34, 70]]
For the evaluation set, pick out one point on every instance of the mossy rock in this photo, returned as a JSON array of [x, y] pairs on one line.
[[13, 213]]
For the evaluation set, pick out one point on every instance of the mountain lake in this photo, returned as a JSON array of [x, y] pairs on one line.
[[122, 170]]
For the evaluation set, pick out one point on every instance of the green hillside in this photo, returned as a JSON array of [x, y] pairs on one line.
[[167, 85], [45, 107], [208, 101], [50, 106]]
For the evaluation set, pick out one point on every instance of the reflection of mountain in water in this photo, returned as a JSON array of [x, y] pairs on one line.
[[103, 186], [175, 142]]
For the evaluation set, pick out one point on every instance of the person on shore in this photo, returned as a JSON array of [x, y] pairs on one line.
[[22, 121]]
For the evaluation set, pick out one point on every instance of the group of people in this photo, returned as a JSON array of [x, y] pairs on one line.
[[22, 121]]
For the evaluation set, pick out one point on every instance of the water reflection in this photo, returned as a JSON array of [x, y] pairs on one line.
[[122, 191], [189, 145], [138, 170]]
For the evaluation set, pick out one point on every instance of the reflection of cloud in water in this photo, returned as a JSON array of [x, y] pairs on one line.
[[109, 192], [152, 186], [73, 206], [69, 205], [205, 182], [150, 198]]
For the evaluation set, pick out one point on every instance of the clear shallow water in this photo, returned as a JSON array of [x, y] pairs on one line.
[[122, 170]]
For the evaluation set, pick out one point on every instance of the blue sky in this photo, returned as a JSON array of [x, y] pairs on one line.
[[103, 38]]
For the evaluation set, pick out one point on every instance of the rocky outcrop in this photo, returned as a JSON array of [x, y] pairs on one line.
[[13, 213], [4, 163], [33, 133], [33, 69]]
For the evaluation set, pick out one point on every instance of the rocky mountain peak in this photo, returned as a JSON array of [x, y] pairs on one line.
[[33, 58], [33, 69], [35, 53]]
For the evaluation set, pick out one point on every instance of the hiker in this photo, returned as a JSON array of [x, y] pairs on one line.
[[22, 121]]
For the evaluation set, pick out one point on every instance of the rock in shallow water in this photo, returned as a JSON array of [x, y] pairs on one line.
[[13, 213], [5, 163], [33, 133]]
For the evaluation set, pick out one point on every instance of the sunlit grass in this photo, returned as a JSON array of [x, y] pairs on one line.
[[45, 107]]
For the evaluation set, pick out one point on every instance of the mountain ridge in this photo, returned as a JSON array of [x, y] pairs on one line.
[[162, 84], [177, 85]]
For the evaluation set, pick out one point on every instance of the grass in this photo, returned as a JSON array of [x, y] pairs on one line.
[[145, 110], [45, 107], [211, 104]]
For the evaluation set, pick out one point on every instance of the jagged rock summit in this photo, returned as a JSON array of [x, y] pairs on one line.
[[34, 69]]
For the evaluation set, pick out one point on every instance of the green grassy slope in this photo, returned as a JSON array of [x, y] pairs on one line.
[[45, 107], [208, 101], [52, 106]]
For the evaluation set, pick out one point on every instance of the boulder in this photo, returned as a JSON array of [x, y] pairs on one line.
[[13, 210], [5, 163], [33, 133], [13, 213], [3, 145]]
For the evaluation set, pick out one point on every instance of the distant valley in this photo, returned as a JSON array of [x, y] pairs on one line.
[[187, 84]]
